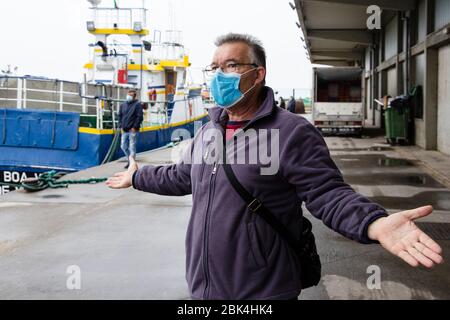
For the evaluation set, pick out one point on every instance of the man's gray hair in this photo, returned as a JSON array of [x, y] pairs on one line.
[[257, 51]]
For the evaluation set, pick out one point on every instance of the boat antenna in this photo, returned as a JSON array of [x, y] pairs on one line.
[[171, 15]]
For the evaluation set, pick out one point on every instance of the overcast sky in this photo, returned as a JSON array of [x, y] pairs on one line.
[[49, 37]]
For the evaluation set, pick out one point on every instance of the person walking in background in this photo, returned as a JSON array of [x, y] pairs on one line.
[[130, 120], [291, 105]]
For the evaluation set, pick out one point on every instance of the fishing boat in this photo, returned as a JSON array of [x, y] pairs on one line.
[[50, 124]]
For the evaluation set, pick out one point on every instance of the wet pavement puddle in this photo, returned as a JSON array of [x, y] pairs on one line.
[[368, 161], [372, 148], [353, 175], [440, 200], [408, 179]]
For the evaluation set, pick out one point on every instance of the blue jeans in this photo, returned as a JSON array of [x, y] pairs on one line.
[[128, 144]]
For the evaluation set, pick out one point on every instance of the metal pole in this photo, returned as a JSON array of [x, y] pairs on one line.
[[97, 107], [24, 105], [117, 104], [113, 115], [167, 113], [101, 114], [19, 93], [83, 92], [142, 61], [61, 88]]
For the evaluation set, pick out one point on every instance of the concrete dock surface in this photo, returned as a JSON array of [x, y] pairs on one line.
[[130, 245]]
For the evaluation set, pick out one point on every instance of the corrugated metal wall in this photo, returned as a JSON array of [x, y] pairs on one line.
[[441, 14]]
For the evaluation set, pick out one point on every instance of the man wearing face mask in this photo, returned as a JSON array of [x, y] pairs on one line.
[[231, 252], [130, 120]]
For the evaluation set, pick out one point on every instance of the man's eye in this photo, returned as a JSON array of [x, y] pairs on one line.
[[214, 68], [232, 66]]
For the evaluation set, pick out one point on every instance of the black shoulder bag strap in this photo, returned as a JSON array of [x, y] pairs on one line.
[[257, 207]]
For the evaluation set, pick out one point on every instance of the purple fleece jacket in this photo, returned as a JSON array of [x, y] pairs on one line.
[[232, 253]]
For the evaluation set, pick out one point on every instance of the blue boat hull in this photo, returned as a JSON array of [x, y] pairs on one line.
[[92, 146]]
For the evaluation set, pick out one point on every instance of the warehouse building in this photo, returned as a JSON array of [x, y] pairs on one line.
[[409, 47]]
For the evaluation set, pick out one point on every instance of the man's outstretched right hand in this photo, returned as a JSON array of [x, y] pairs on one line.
[[123, 180]]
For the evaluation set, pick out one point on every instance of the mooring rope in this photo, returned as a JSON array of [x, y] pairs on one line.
[[50, 180]]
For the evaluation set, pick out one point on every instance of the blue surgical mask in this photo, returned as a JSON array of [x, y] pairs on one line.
[[129, 98], [225, 89]]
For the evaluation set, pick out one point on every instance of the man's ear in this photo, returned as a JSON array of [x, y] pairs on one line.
[[261, 75]]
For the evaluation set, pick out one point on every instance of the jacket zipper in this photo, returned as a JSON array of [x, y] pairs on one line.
[[206, 231]]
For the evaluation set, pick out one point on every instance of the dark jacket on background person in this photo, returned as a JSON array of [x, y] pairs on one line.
[[234, 254], [130, 115]]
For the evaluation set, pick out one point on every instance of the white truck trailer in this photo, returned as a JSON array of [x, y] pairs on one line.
[[338, 97]]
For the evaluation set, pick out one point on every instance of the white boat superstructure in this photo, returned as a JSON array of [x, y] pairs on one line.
[[123, 55]]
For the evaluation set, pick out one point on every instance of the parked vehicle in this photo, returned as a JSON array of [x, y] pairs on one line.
[[337, 105]]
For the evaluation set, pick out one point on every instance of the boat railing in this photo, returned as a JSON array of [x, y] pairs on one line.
[[97, 104], [165, 51], [118, 18], [162, 110], [89, 100]]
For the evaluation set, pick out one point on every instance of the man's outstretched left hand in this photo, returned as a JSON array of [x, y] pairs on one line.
[[398, 234]]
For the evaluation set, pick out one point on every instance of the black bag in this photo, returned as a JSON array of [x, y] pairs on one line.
[[305, 248]]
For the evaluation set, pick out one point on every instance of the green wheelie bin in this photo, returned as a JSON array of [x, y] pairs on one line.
[[397, 119]]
